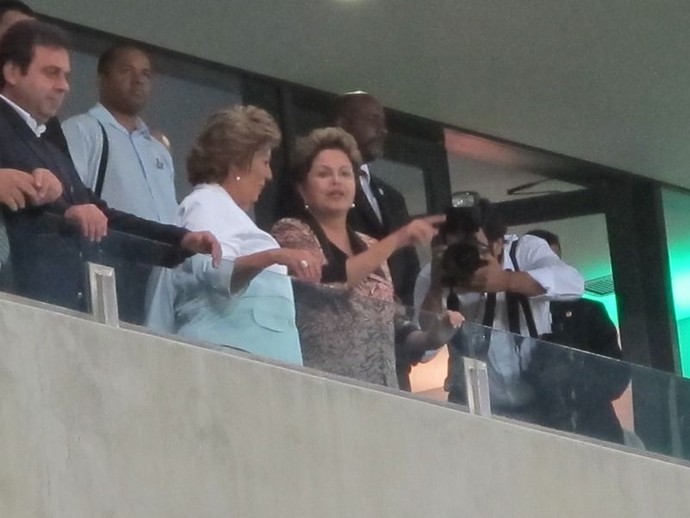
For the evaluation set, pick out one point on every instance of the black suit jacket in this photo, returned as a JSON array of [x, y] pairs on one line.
[[587, 384], [404, 264], [47, 255]]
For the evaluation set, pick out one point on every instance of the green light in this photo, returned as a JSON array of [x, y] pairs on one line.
[[677, 215], [609, 302]]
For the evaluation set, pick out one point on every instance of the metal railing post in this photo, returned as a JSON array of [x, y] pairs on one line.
[[103, 294], [477, 386]]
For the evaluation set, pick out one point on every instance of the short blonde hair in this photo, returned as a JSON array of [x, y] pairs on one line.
[[230, 137], [311, 145]]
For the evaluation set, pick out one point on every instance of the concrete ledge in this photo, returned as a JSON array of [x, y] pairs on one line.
[[101, 421]]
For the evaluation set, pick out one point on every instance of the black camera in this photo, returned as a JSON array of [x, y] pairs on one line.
[[462, 256]]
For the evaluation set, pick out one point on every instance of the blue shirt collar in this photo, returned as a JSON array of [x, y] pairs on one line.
[[101, 113]]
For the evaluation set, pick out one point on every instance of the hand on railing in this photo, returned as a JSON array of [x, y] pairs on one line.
[[90, 219], [203, 243]]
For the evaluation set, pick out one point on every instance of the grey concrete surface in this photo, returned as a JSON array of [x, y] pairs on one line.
[[98, 421]]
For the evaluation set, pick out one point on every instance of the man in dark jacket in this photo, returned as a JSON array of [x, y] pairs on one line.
[[35, 66], [379, 208], [579, 388]]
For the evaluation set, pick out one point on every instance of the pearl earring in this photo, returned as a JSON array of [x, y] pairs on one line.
[[306, 206], [353, 205], [237, 178]]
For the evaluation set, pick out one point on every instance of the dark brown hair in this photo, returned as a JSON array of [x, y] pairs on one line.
[[18, 44], [110, 56], [306, 149]]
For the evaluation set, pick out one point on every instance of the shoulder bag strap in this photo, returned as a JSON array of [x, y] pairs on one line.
[[103, 163], [521, 299]]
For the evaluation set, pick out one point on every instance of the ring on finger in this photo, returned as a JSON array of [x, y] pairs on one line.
[[304, 263]]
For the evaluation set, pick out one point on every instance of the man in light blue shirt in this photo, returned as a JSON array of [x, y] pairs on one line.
[[121, 161], [113, 150]]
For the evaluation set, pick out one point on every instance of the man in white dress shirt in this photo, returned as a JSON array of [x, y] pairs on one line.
[[516, 268]]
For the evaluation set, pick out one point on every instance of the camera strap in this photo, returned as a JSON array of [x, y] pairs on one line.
[[489, 310], [513, 299], [513, 308]]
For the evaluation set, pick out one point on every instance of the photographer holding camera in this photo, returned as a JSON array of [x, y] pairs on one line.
[[503, 282]]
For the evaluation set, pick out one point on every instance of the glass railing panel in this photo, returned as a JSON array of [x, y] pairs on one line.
[[370, 338], [351, 333], [47, 258], [5, 264], [326, 327], [543, 383], [228, 305], [570, 390], [356, 334]]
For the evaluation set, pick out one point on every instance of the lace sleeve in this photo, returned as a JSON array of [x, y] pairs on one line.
[[295, 234]]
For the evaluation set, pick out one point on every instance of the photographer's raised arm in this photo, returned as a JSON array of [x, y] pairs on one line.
[[541, 273], [559, 280], [492, 278]]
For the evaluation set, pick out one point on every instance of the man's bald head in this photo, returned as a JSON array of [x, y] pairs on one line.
[[362, 115]]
